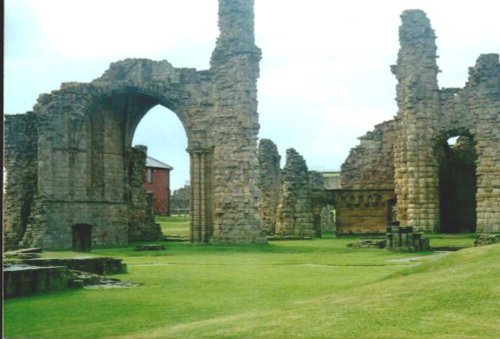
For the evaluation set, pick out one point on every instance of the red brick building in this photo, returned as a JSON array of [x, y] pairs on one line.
[[157, 182]]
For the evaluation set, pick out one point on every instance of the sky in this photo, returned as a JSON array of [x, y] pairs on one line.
[[325, 77]]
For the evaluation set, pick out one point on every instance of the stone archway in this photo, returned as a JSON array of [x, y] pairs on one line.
[[78, 154], [457, 182], [112, 118]]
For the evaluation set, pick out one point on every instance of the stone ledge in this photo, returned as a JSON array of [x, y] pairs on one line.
[[100, 265]]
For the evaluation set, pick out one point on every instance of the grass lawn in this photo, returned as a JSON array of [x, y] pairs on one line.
[[175, 225], [285, 289]]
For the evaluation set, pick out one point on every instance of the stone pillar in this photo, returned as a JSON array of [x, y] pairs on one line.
[[235, 68], [201, 207], [269, 184], [416, 168], [295, 217]]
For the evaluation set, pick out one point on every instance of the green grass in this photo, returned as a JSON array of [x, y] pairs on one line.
[[461, 240], [316, 289], [175, 225]]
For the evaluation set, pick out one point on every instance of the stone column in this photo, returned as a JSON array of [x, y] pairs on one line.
[[416, 168], [235, 68], [201, 207], [269, 184]]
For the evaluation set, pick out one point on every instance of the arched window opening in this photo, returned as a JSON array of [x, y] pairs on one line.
[[167, 162]]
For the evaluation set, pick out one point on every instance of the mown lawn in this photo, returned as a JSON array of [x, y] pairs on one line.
[[285, 289], [175, 225]]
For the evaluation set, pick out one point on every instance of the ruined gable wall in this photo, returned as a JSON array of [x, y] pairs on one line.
[[370, 165]]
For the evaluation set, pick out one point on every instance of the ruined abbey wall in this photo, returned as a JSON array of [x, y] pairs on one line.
[[83, 134], [370, 165], [408, 147]]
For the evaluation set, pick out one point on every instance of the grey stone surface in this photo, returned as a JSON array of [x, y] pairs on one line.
[[294, 213], [403, 154], [70, 160], [269, 184]]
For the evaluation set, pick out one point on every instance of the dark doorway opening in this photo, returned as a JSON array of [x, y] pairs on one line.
[[391, 212], [457, 185], [82, 238]]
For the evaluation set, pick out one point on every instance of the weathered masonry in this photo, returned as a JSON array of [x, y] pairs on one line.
[[436, 186], [70, 161]]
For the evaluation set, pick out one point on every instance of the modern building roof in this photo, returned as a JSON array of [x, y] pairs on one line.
[[152, 162]]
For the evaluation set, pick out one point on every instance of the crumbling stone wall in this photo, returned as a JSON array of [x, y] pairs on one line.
[[370, 165], [142, 224], [356, 211], [316, 180], [294, 209], [269, 184], [426, 117], [84, 132], [418, 103], [21, 142]]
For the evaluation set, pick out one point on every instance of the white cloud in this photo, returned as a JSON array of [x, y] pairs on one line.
[[118, 28]]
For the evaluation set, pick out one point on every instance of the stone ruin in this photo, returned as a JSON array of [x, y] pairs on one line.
[[269, 184], [72, 176], [294, 213], [142, 225], [285, 200], [71, 171], [404, 170]]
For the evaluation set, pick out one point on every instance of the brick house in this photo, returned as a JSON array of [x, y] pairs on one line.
[[157, 182]]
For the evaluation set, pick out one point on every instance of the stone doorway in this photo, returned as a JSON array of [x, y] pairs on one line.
[[457, 185], [82, 238]]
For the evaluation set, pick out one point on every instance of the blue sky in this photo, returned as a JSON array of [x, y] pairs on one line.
[[325, 77]]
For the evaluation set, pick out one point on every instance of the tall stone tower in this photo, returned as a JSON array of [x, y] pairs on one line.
[[416, 169], [235, 65]]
